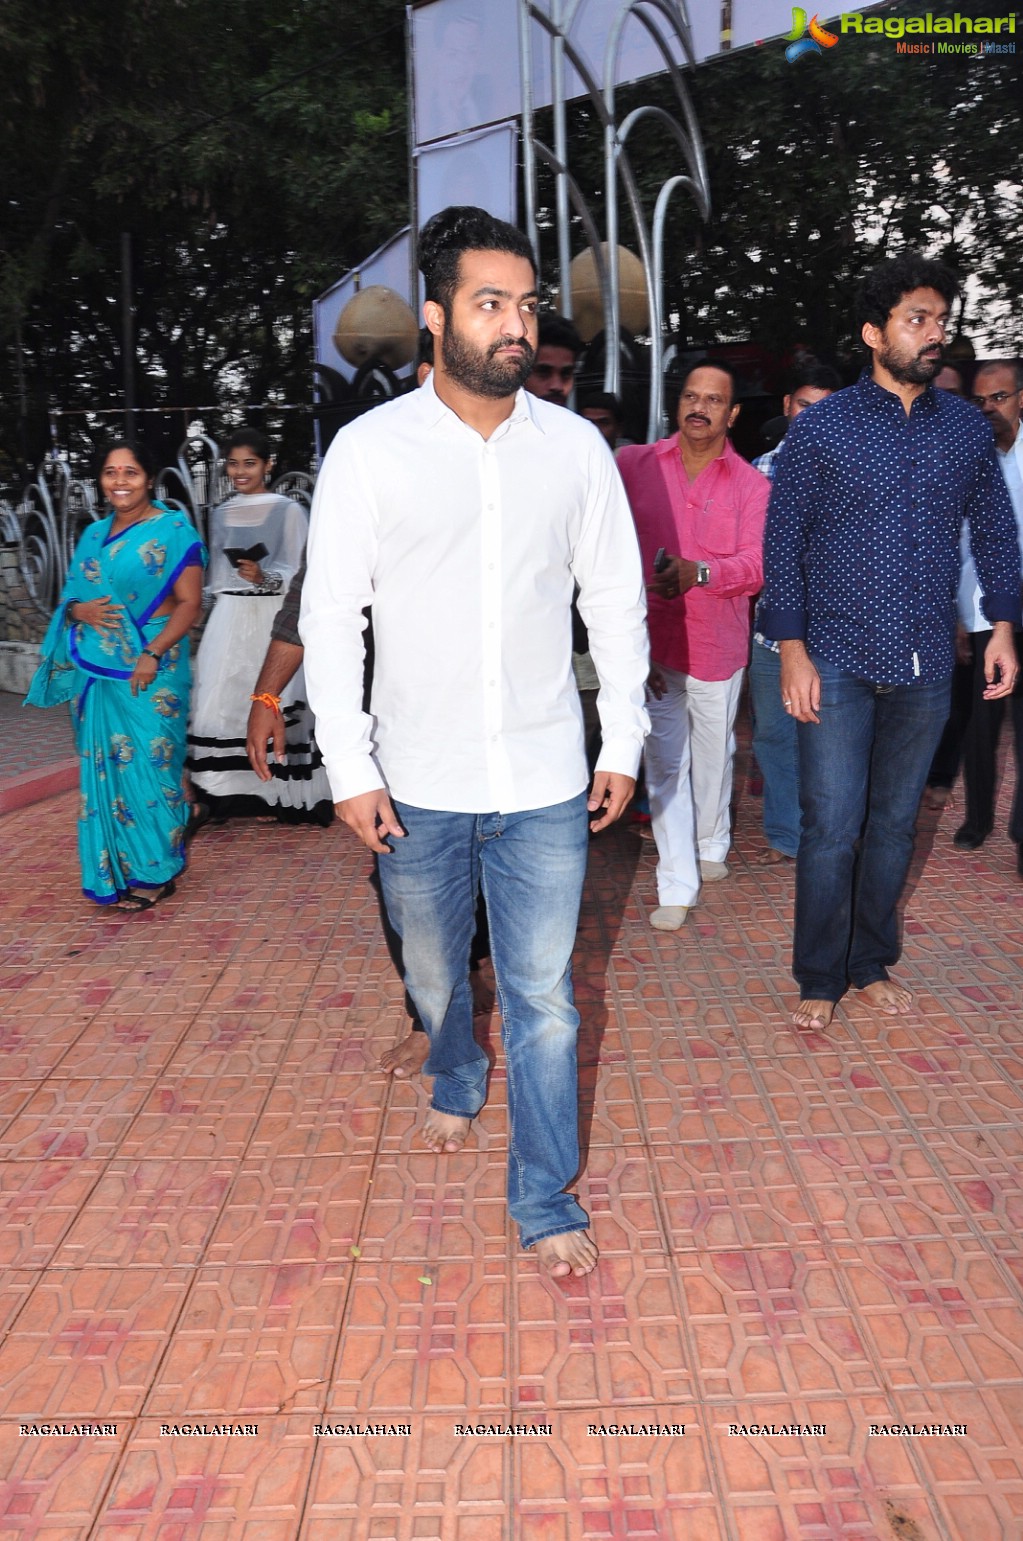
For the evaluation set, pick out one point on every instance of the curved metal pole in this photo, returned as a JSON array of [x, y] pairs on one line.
[[655, 417], [582, 208], [649, 13]]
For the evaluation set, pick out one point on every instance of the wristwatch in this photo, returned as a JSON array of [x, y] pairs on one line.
[[702, 575]]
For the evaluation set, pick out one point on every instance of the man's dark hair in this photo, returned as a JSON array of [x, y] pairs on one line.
[[1001, 363], [884, 286], [815, 377], [600, 401], [554, 331], [713, 363], [458, 229]]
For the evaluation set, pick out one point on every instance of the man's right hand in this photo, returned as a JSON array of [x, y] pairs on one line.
[[800, 683], [264, 723], [371, 815]]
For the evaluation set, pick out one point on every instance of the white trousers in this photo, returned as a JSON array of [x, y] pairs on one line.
[[689, 758]]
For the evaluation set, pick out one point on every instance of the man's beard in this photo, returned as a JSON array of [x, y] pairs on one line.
[[911, 369], [483, 373]]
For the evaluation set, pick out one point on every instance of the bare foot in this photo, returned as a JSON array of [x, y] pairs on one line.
[[772, 858], [445, 1132], [571, 1252], [939, 798], [892, 999], [407, 1057], [814, 1013]]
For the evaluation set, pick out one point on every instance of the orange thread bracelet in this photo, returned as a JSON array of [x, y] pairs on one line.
[[266, 699]]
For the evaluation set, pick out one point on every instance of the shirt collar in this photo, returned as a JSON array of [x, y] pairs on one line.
[[878, 397], [726, 459], [436, 411]]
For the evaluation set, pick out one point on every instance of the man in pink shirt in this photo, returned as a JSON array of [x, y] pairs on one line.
[[693, 496]]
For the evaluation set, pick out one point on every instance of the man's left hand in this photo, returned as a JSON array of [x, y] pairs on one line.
[[1000, 666], [677, 577], [612, 793]]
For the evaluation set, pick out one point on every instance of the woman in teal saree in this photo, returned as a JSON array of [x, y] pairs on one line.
[[117, 649]]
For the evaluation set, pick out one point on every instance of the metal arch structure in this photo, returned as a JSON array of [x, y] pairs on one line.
[[667, 22]]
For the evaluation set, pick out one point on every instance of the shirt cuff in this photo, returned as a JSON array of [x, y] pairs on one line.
[[783, 625], [1002, 607], [351, 775], [620, 755]]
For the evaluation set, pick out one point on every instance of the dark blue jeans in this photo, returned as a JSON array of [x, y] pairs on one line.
[[531, 867], [862, 771], [776, 749]]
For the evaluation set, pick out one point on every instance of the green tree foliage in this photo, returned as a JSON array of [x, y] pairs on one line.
[[256, 150], [252, 150], [820, 166]]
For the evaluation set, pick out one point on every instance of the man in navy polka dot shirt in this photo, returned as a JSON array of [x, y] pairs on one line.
[[861, 566]]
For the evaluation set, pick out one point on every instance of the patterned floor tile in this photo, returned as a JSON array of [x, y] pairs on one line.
[[184, 1485], [216, 1207], [424, 1342], [253, 1340], [118, 1045], [605, 1474], [187, 1116], [425, 1208], [16, 1284], [72, 1118], [431, 1482], [147, 1213], [39, 1202], [50, 1486], [732, 1192], [338, 1114], [800, 1470], [771, 1322], [245, 1043], [616, 1337], [291, 1209], [88, 1342], [935, 1313]]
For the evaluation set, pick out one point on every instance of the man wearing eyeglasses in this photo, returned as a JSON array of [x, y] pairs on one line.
[[557, 354], [998, 392]]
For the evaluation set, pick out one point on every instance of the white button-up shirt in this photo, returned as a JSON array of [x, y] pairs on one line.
[[971, 614], [467, 549]]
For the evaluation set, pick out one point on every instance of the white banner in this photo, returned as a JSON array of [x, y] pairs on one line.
[[465, 63], [474, 168], [465, 53], [388, 265]]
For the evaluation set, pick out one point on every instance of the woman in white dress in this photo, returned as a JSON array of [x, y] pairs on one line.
[[257, 541]]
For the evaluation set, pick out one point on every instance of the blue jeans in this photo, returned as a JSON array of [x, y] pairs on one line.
[[862, 772], [777, 751], [531, 866]]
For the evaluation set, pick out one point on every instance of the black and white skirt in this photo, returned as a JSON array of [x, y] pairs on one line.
[[230, 657]]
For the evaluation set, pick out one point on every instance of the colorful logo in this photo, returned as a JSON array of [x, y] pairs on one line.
[[799, 45]]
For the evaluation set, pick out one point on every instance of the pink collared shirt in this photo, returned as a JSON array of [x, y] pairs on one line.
[[718, 518]]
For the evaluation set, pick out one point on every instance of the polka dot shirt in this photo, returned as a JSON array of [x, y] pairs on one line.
[[861, 551]]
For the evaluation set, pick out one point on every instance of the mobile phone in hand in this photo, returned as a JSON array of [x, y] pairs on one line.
[[236, 554], [661, 560]]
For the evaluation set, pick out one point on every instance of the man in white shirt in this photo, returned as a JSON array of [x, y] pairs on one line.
[[998, 392], [464, 513]]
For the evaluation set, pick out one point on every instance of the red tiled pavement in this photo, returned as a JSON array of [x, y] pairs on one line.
[[214, 1210]]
